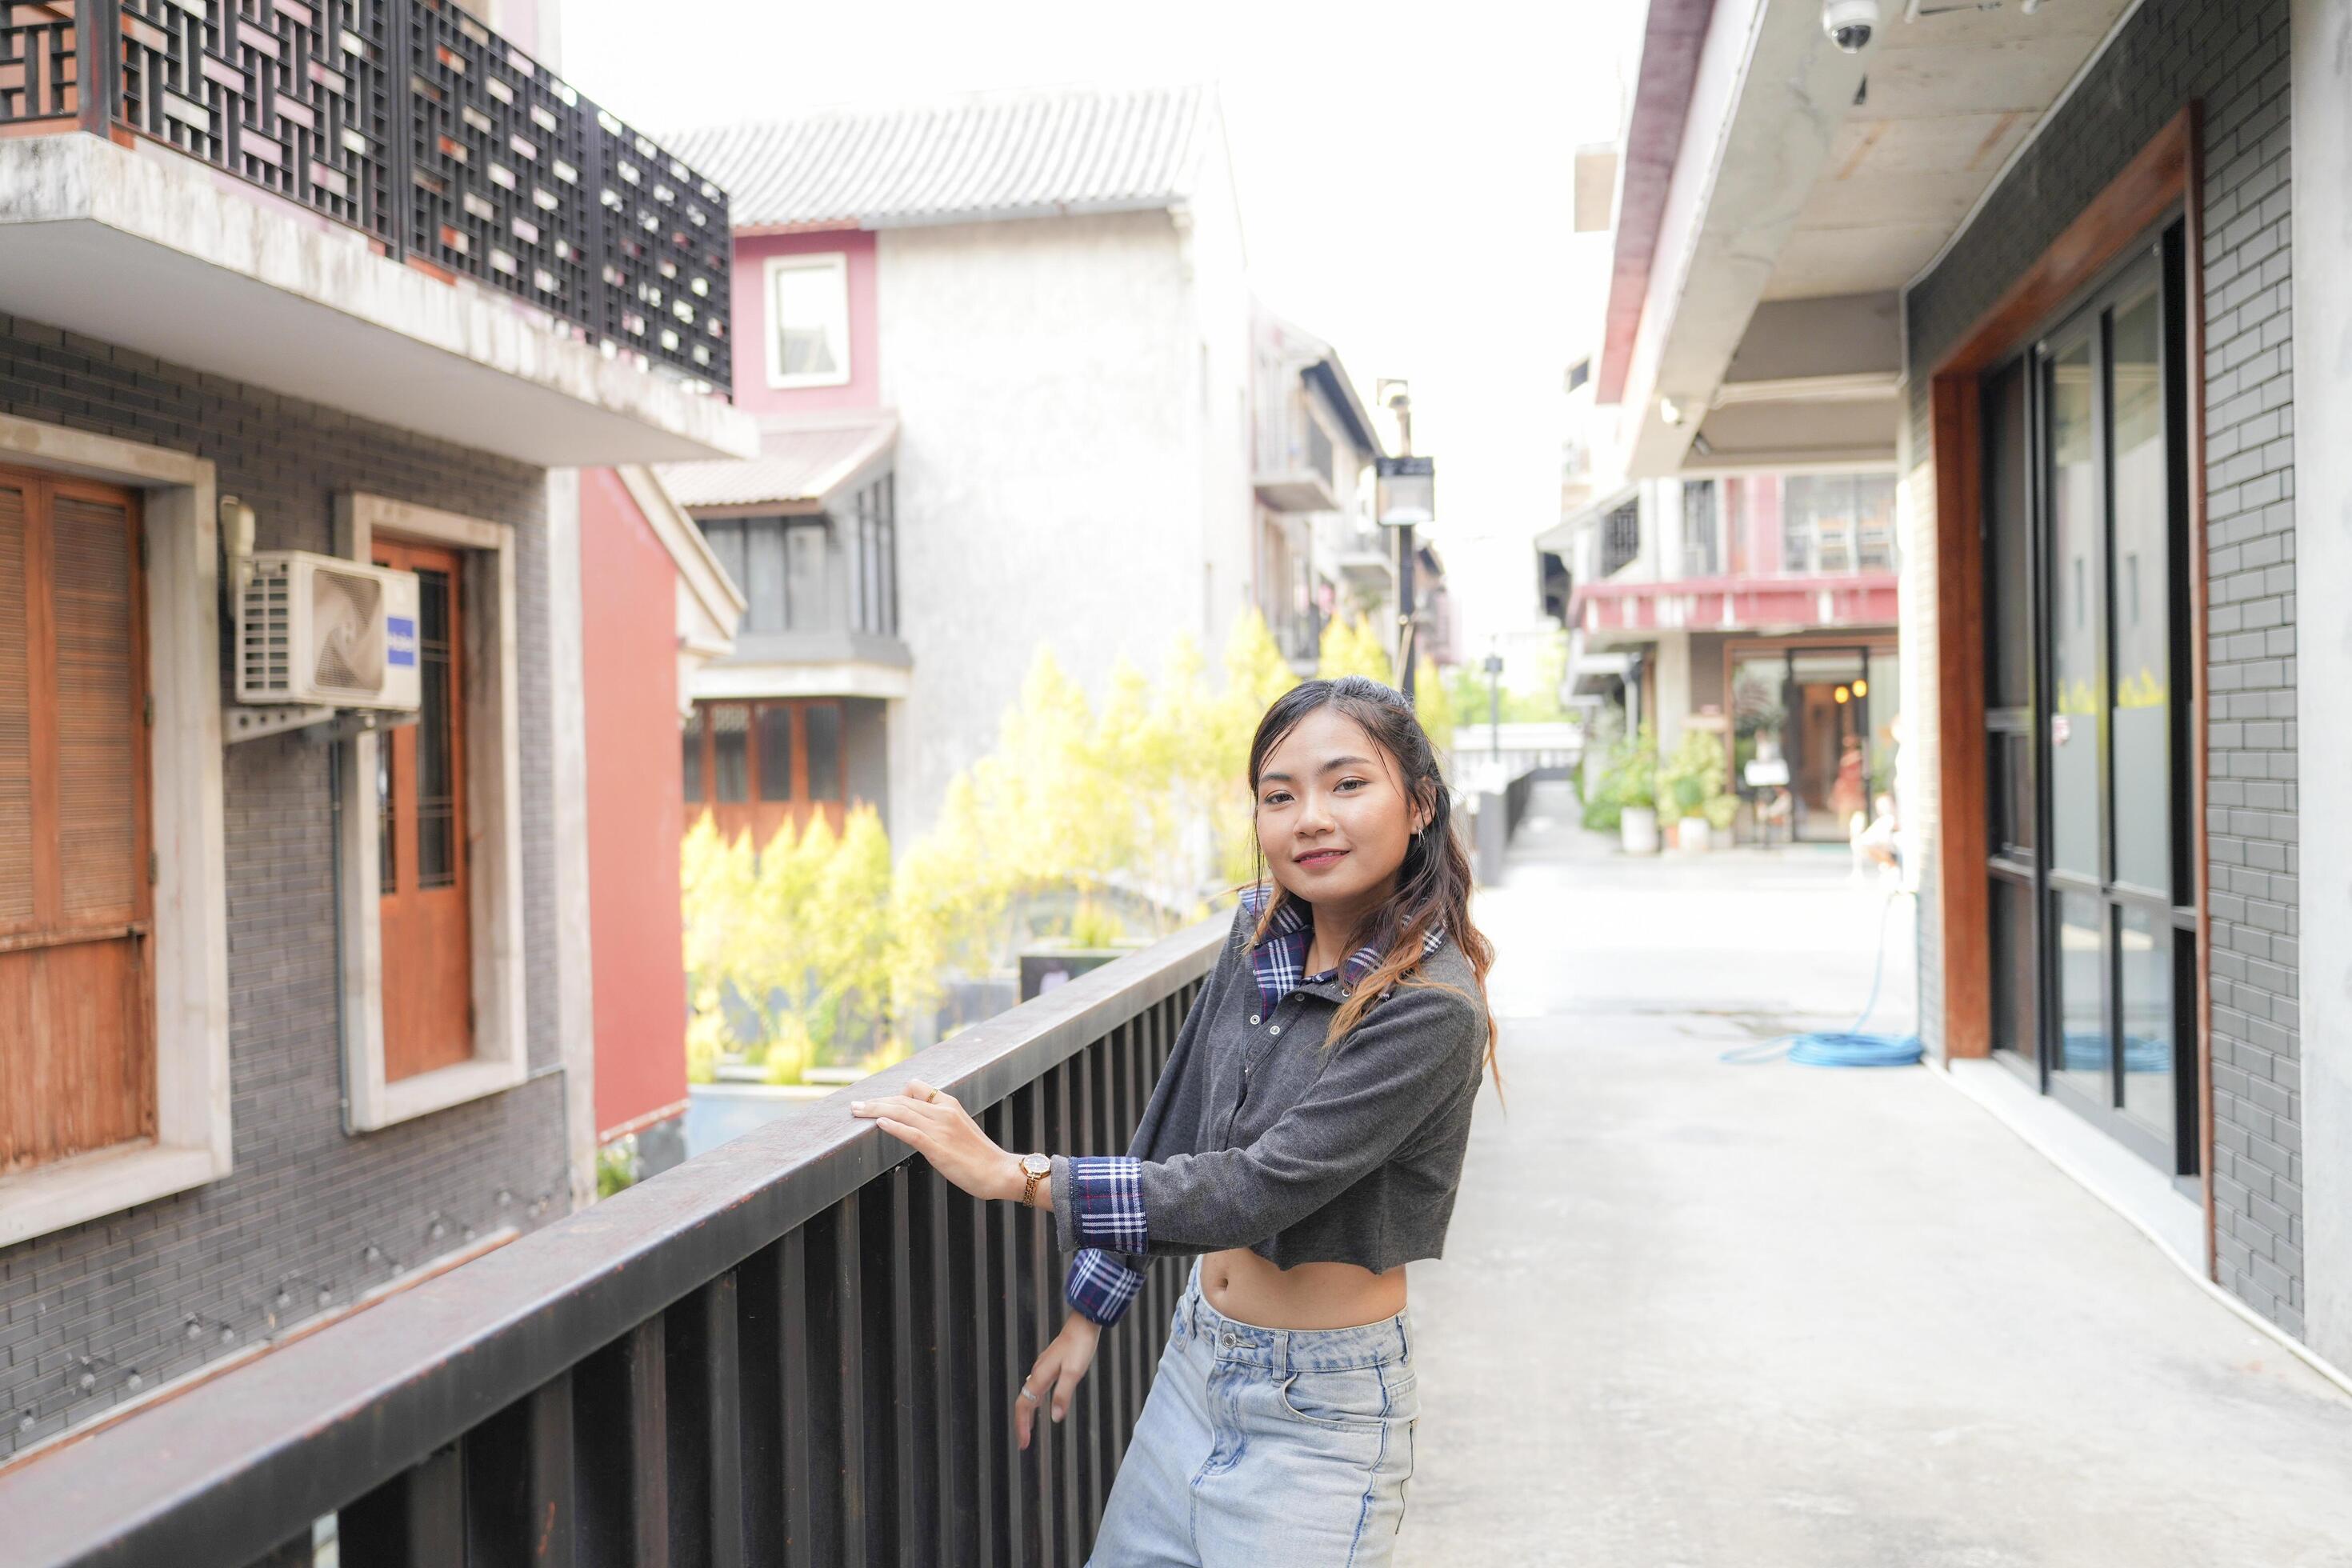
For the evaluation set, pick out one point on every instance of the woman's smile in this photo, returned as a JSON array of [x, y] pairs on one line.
[[1317, 860]]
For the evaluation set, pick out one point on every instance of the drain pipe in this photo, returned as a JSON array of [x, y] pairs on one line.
[[335, 882]]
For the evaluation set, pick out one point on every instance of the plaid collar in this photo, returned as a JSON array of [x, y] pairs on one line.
[[1280, 961]]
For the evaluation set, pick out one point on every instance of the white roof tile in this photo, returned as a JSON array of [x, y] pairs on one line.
[[1035, 153]]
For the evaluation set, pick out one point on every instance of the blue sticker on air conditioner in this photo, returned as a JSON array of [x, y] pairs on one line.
[[400, 638]]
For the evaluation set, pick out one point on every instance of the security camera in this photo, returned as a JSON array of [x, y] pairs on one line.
[[1850, 23]]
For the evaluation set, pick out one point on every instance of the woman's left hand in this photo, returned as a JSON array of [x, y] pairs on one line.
[[932, 1123]]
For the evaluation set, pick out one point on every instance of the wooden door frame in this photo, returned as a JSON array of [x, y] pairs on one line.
[[2165, 175], [412, 555], [494, 830]]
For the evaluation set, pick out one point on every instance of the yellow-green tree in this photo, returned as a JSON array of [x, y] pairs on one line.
[[1350, 646], [822, 947]]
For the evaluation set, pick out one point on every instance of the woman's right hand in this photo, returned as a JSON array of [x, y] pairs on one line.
[[1059, 1366]]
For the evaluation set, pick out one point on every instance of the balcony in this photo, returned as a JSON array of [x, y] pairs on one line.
[[1294, 462], [809, 531], [799, 1349], [1367, 558], [1749, 552], [279, 193]]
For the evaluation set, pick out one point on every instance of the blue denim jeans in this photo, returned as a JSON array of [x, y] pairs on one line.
[[1288, 1446]]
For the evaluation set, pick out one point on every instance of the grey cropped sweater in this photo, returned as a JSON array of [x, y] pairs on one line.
[[1257, 1136]]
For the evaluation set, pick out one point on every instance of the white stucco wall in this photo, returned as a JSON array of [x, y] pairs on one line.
[[1072, 467], [2322, 182]]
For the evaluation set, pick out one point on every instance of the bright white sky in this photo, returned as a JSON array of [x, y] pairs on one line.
[[1404, 175]]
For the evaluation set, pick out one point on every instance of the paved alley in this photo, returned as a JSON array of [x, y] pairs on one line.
[[1696, 1315]]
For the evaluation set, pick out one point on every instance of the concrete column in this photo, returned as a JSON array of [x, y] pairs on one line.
[[1671, 672], [2321, 183], [576, 1008]]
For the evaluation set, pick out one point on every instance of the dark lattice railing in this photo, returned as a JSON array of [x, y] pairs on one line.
[[800, 1350], [413, 123]]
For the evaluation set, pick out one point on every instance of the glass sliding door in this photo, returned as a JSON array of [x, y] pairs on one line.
[[2087, 725]]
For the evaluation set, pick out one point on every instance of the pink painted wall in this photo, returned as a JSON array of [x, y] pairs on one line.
[[636, 809], [750, 310]]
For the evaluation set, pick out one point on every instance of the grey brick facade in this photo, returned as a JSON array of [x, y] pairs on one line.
[[169, 1286], [2232, 55]]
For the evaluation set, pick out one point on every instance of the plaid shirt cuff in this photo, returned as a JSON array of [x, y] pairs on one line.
[[1101, 1286], [1107, 1201]]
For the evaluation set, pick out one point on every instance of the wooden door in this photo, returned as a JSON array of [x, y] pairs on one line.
[[77, 1069], [421, 856]]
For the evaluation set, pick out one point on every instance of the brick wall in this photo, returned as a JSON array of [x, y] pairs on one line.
[[2232, 55], [306, 1208]]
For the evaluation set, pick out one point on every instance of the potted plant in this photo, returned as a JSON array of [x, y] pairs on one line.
[[1691, 783], [1633, 784]]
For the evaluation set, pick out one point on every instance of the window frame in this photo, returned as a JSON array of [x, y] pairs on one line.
[[834, 261], [754, 777], [189, 942], [493, 791]]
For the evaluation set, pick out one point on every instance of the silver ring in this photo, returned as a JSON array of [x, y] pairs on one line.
[[1025, 1393]]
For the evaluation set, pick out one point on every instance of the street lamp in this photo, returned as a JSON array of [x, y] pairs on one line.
[[1495, 705], [1405, 496]]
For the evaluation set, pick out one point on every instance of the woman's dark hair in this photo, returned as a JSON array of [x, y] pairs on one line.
[[1432, 884]]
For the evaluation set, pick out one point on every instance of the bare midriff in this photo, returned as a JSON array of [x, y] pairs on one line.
[[1249, 1289]]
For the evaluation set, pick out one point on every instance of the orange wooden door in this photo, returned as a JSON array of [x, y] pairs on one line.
[[425, 925], [77, 1070]]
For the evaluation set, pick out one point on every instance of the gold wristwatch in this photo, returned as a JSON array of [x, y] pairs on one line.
[[1037, 1168]]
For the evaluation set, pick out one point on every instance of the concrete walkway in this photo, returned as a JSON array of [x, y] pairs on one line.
[[1698, 1314]]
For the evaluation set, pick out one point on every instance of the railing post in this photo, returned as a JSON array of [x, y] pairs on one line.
[[416, 1519], [622, 1398], [97, 69], [705, 1431], [603, 310], [399, 69], [520, 1507]]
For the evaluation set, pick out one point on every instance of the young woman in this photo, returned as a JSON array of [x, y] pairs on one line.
[[1303, 1143]]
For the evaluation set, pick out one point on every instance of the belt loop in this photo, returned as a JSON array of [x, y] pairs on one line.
[[1404, 1340]]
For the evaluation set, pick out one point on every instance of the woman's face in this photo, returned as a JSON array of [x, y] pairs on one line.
[[1332, 815]]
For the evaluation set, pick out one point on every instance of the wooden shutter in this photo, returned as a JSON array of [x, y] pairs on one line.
[[77, 1069]]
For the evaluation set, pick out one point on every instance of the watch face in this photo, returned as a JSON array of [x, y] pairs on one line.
[[1036, 1164]]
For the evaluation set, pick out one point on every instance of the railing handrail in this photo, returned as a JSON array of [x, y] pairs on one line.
[[244, 1461]]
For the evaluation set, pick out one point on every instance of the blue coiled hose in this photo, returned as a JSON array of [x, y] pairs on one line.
[[1853, 1047]]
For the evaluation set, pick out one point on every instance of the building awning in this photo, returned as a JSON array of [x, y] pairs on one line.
[[801, 468]]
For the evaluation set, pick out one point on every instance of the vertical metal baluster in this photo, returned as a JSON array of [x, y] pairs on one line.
[[1045, 1134], [947, 1393], [849, 1329], [1157, 1299], [295, 1553], [988, 1430], [760, 1351], [704, 1439], [912, 1369], [416, 1519], [795, 1355], [1094, 1096], [1137, 1346], [519, 1483], [1075, 1432], [1110, 1415], [1008, 1477], [619, 1400], [825, 1412]]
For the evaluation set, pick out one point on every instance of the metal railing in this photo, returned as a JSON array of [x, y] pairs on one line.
[[411, 122], [800, 1348]]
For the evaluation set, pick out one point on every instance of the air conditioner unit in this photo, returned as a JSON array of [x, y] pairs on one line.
[[326, 632]]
